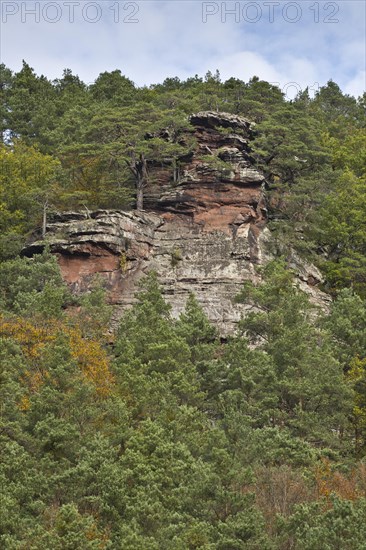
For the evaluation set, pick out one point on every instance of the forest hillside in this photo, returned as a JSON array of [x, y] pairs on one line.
[[166, 433]]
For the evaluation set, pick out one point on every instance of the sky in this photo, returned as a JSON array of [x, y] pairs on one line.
[[292, 44]]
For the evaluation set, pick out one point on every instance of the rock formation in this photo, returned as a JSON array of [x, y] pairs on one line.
[[203, 230]]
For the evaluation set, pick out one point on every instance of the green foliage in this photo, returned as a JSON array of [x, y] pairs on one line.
[[31, 285], [342, 232], [167, 454], [95, 315], [319, 527], [309, 379], [159, 358], [113, 88], [176, 257], [200, 335], [288, 146], [346, 323], [28, 180]]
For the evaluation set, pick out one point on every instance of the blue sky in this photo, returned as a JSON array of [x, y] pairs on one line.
[[293, 44]]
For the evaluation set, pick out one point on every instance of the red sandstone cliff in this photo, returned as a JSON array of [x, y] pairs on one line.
[[203, 229]]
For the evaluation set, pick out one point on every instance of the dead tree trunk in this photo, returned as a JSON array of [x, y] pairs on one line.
[[139, 192], [44, 220]]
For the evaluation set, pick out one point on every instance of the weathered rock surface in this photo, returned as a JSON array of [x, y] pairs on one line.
[[203, 231]]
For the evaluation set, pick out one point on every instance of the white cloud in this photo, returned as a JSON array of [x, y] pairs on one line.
[[243, 65], [357, 85], [171, 40]]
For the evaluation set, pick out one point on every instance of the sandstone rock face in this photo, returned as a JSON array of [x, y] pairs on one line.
[[203, 230]]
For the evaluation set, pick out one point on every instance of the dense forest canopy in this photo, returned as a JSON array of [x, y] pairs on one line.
[[159, 436]]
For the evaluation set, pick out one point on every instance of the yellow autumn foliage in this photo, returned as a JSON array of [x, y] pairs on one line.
[[88, 354], [348, 486]]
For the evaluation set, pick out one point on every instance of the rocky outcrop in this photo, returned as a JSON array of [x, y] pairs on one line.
[[189, 257], [203, 231], [219, 174]]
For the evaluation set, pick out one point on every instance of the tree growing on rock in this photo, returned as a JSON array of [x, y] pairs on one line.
[[126, 148]]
